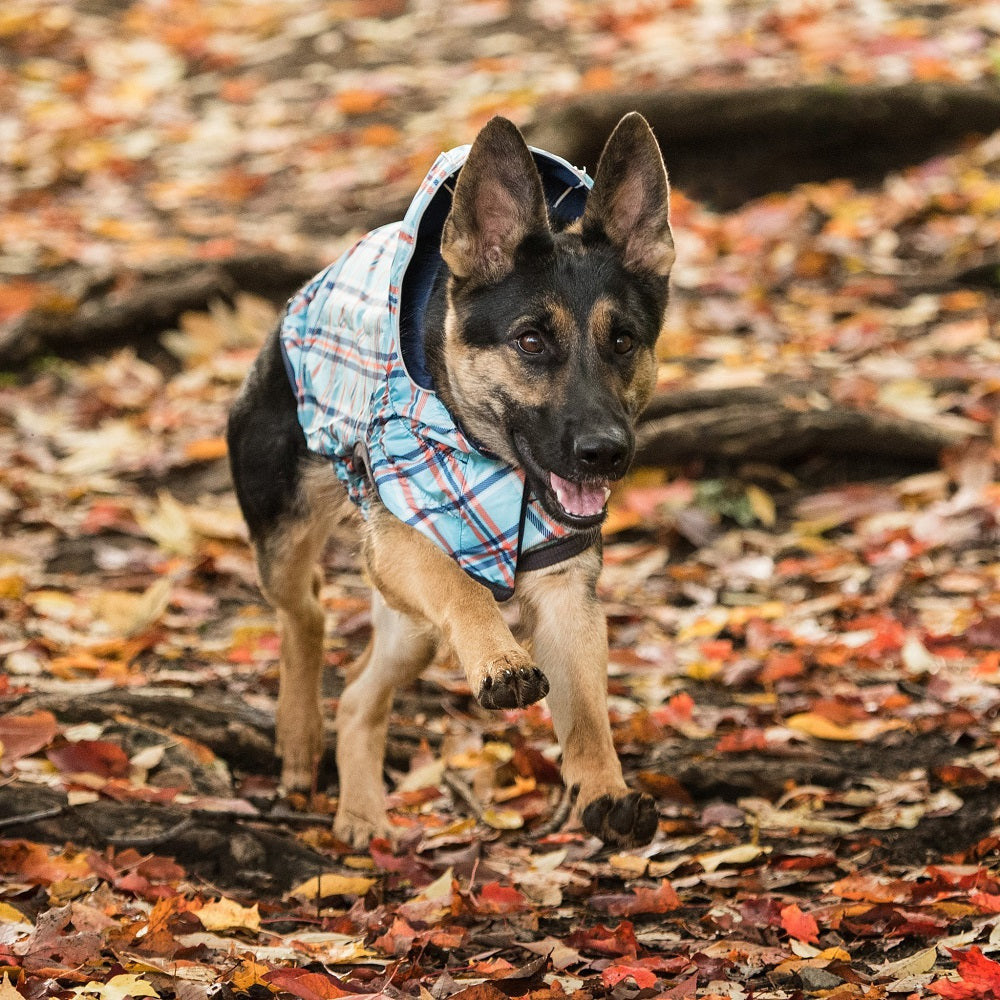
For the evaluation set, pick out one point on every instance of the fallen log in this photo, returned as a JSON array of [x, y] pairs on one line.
[[727, 146], [755, 422]]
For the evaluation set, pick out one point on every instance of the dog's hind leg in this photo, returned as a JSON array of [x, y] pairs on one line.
[[569, 640], [399, 650], [290, 500], [290, 579]]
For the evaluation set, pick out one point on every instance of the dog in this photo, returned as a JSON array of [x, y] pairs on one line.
[[466, 384]]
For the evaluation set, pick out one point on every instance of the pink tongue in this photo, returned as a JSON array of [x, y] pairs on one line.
[[584, 500]]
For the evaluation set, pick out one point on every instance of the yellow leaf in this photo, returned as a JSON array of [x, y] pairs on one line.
[[116, 988], [521, 786], [10, 915], [502, 819], [438, 890], [249, 973], [224, 914], [129, 614], [740, 855], [813, 724], [168, 525], [330, 884], [761, 504], [7, 991], [628, 865]]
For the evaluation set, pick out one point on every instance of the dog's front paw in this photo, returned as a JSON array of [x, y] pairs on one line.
[[624, 821], [357, 829], [508, 684]]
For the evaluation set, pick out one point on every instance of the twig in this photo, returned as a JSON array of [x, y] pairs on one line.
[[460, 789], [555, 822], [215, 816], [34, 817], [154, 839]]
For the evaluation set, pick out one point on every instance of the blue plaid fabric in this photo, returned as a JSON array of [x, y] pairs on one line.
[[359, 406]]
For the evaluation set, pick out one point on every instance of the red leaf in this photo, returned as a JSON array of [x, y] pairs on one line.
[[749, 740], [614, 974], [22, 735], [986, 902], [92, 756], [398, 939], [800, 925], [304, 984], [640, 900], [496, 898], [980, 978], [615, 941]]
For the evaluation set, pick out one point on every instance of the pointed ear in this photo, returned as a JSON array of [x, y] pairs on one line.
[[498, 201], [630, 201]]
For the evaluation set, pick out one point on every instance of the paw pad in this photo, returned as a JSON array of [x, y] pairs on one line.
[[628, 821], [513, 687]]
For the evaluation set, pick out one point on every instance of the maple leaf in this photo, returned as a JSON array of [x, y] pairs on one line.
[[799, 925], [979, 978]]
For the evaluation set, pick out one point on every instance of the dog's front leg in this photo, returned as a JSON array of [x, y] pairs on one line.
[[571, 645], [420, 579]]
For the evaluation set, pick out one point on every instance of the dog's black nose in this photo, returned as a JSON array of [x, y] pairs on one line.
[[604, 452]]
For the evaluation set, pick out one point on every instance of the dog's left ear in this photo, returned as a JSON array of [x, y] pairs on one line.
[[630, 201], [498, 202]]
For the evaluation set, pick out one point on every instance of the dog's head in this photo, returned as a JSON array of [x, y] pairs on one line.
[[547, 355]]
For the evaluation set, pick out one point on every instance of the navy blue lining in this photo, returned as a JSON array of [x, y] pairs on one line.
[[565, 206]]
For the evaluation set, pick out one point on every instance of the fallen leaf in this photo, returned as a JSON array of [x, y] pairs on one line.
[[226, 914], [330, 884]]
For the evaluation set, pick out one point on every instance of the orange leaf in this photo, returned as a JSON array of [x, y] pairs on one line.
[[22, 735], [799, 925], [205, 449], [359, 102], [380, 135], [614, 974]]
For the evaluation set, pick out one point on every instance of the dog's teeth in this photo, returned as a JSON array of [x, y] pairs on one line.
[[607, 494]]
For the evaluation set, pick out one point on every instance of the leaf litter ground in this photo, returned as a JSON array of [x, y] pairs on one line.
[[804, 672]]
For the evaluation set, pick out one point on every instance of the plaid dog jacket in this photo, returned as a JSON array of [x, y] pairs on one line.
[[352, 345]]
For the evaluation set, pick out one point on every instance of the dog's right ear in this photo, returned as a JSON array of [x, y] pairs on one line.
[[498, 202]]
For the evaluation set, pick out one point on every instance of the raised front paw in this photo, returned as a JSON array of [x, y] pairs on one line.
[[627, 820], [508, 684]]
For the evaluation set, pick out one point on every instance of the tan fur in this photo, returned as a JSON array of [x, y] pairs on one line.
[[570, 644], [290, 580], [424, 598], [478, 376]]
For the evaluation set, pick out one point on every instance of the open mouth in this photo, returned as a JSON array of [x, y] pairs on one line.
[[580, 499], [579, 504]]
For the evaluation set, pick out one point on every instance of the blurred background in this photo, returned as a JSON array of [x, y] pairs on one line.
[[801, 574]]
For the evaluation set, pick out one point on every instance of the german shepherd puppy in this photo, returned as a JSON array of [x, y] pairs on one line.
[[540, 343]]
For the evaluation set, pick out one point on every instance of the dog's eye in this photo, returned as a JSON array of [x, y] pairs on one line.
[[623, 343], [530, 342]]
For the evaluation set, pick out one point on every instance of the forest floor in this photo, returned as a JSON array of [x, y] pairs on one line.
[[804, 666]]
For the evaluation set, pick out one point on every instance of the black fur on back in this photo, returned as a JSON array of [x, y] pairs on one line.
[[266, 443]]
